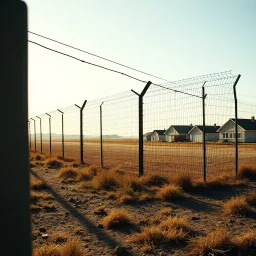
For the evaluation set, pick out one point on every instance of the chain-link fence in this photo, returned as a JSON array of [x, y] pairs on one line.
[[186, 126]]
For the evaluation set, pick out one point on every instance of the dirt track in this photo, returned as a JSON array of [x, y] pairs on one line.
[[164, 158]]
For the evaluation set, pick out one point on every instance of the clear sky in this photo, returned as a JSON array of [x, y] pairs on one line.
[[172, 39]]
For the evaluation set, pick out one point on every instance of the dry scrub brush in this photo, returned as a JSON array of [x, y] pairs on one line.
[[37, 184], [236, 206], [54, 163], [72, 247], [214, 243], [68, 174], [247, 172], [183, 181], [169, 192], [171, 230], [245, 240], [117, 218]]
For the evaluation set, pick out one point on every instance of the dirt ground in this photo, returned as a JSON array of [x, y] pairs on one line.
[[74, 210]]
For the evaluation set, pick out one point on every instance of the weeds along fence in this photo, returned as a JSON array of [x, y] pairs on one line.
[[165, 129]]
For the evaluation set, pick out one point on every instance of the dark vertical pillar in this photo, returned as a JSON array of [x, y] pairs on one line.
[[62, 129], [50, 131], [101, 145], [141, 150], [204, 142], [29, 131], [41, 139], [14, 184], [236, 128], [34, 132], [81, 132]]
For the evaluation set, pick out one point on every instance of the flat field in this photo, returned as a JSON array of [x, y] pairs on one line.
[[159, 157]]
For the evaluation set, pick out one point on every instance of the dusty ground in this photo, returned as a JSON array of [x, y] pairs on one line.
[[74, 208]]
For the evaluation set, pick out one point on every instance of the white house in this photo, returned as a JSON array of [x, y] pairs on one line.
[[246, 130], [147, 136], [178, 133], [158, 135], [211, 133]]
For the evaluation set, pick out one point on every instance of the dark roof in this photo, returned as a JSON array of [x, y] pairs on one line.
[[247, 124], [159, 132], [208, 128], [182, 128], [147, 134]]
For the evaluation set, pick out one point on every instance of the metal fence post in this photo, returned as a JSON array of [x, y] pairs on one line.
[[29, 131], [141, 150], [34, 131], [204, 141], [81, 132], [50, 131], [101, 146], [62, 126], [41, 140], [236, 128]]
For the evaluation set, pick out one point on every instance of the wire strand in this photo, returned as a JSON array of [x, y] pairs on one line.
[[92, 54], [86, 62]]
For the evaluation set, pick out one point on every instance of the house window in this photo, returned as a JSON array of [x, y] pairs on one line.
[[224, 135], [239, 135], [230, 135]]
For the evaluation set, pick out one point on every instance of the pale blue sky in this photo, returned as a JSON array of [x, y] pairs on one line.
[[171, 39]]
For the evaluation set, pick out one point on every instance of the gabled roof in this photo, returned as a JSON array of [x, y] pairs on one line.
[[148, 133], [159, 132], [181, 128], [208, 128], [246, 124]]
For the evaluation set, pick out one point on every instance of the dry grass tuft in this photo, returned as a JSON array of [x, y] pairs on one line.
[[65, 159], [72, 247], [154, 180], [112, 195], [117, 218], [165, 212], [38, 195], [236, 206], [101, 210], [85, 175], [68, 174], [107, 180], [34, 208], [215, 243], [169, 192], [247, 172], [37, 184], [132, 183], [183, 181], [226, 181], [59, 238], [175, 223], [251, 198], [127, 199], [154, 235], [53, 163], [246, 240]]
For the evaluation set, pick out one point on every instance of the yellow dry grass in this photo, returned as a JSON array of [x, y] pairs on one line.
[[154, 180], [40, 195], [117, 218], [72, 247], [251, 198], [175, 223], [68, 174], [169, 192], [183, 181], [165, 212], [37, 184], [214, 243], [53, 162], [247, 172], [236, 206], [245, 240]]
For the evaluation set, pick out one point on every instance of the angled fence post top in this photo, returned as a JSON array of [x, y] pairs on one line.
[[144, 90], [48, 114], [60, 111]]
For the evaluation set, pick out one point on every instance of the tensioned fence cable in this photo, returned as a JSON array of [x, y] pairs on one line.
[[95, 55]]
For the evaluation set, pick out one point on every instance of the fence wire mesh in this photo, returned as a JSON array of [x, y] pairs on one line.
[[172, 129]]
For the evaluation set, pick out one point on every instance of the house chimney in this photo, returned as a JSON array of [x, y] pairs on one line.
[[253, 118], [191, 125], [215, 125]]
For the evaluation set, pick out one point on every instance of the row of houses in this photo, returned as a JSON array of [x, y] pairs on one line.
[[194, 133]]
